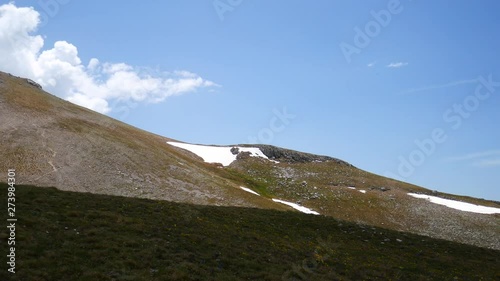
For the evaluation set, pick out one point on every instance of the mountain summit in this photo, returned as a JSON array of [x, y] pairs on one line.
[[51, 142]]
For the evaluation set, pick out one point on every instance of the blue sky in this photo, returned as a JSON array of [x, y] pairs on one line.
[[278, 72]]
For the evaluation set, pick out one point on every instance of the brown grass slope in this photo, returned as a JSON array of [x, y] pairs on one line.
[[51, 142], [324, 187]]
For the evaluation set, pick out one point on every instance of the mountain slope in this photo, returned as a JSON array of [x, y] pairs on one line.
[[55, 143], [51, 142], [347, 193], [81, 236]]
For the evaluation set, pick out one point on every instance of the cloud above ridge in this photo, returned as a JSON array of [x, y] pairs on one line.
[[396, 64], [480, 159], [96, 85]]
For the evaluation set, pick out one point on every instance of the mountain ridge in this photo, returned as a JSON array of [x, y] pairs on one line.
[[51, 142]]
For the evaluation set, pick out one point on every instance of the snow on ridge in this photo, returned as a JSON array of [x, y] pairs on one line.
[[360, 190], [249, 190], [297, 207], [218, 154], [458, 205], [293, 205]]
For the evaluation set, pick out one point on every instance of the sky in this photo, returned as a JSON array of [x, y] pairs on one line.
[[406, 89]]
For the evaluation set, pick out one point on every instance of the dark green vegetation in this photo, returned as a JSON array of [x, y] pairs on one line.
[[80, 236], [52, 142]]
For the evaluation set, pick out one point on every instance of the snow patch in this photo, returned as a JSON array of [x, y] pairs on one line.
[[351, 187], [297, 207], [218, 154], [249, 190], [458, 205], [362, 191]]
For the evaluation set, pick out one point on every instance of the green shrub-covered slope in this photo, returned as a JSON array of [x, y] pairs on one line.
[[64, 235]]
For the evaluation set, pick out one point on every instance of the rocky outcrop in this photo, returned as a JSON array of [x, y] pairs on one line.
[[33, 83], [235, 150], [292, 156]]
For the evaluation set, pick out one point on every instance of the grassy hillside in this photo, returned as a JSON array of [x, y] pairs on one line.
[[64, 235], [52, 142], [328, 187]]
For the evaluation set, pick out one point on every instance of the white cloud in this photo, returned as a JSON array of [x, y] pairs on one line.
[[97, 104], [476, 155], [488, 163], [95, 84], [397, 64], [371, 64], [441, 86], [480, 159]]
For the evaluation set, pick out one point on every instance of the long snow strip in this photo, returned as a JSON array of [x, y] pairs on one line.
[[462, 206], [218, 154], [249, 190], [297, 207]]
